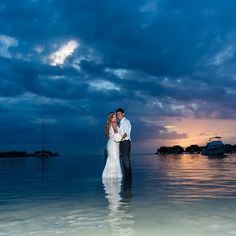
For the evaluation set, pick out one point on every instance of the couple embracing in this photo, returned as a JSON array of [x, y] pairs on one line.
[[118, 129]]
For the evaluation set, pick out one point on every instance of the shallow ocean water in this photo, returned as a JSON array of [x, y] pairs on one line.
[[169, 195]]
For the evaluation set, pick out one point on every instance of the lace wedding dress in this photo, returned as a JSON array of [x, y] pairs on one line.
[[112, 168]]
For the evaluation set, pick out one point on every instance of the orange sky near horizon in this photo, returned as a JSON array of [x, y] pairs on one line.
[[198, 131]]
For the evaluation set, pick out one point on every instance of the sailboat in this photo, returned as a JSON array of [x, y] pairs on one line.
[[44, 153]]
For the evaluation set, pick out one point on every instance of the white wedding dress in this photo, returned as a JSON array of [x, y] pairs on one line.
[[112, 168]]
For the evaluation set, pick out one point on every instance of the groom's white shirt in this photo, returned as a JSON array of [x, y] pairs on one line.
[[125, 127]]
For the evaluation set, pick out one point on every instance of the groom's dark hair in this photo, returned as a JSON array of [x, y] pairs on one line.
[[120, 110]]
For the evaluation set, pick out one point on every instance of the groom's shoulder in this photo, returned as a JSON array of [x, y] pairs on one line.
[[127, 120]]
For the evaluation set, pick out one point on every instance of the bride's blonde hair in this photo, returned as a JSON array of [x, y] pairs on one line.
[[108, 123]]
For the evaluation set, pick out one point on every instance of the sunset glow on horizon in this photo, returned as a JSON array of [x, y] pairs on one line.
[[197, 131]]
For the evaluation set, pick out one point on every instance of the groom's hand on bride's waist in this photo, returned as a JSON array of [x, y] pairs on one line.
[[124, 136]]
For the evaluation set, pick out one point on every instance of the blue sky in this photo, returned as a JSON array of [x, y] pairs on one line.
[[169, 64]]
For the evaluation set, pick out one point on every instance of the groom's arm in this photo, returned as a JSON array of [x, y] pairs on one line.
[[124, 136], [126, 129]]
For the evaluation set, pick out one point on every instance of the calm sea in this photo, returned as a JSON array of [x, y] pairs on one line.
[[180, 195]]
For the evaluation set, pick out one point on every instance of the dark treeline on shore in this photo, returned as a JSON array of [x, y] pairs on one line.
[[177, 149], [25, 154]]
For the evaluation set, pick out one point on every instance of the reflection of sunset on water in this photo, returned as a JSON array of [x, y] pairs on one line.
[[188, 177]]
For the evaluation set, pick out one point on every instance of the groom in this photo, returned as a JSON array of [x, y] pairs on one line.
[[125, 144]]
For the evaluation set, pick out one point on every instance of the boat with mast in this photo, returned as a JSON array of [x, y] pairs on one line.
[[44, 153]]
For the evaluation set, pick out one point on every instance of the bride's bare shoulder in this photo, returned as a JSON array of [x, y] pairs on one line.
[[114, 126], [111, 128]]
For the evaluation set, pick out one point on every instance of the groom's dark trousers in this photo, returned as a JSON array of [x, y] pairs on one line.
[[125, 148]]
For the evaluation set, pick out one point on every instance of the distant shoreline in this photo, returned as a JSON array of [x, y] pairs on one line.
[[25, 154], [192, 149]]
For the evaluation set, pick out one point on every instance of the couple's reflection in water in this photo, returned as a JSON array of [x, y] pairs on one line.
[[119, 196]]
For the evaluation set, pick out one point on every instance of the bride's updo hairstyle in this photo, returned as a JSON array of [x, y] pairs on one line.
[[108, 123]]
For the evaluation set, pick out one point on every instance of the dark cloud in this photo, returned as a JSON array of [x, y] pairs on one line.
[[149, 131]]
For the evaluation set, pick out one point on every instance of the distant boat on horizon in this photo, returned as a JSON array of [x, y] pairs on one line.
[[43, 152], [214, 147]]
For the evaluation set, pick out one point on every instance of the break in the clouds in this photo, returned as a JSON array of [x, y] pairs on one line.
[[58, 57], [69, 64]]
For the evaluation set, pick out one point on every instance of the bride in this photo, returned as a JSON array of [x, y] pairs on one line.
[[112, 168]]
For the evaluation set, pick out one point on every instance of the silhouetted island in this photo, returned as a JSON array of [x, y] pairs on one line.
[[26, 154], [170, 150], [177, 149], [14, 154], [194, 149]]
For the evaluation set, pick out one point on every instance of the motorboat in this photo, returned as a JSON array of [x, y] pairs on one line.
[[215, 146]]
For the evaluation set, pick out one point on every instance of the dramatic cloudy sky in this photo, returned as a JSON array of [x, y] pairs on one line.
[[171, 64]]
